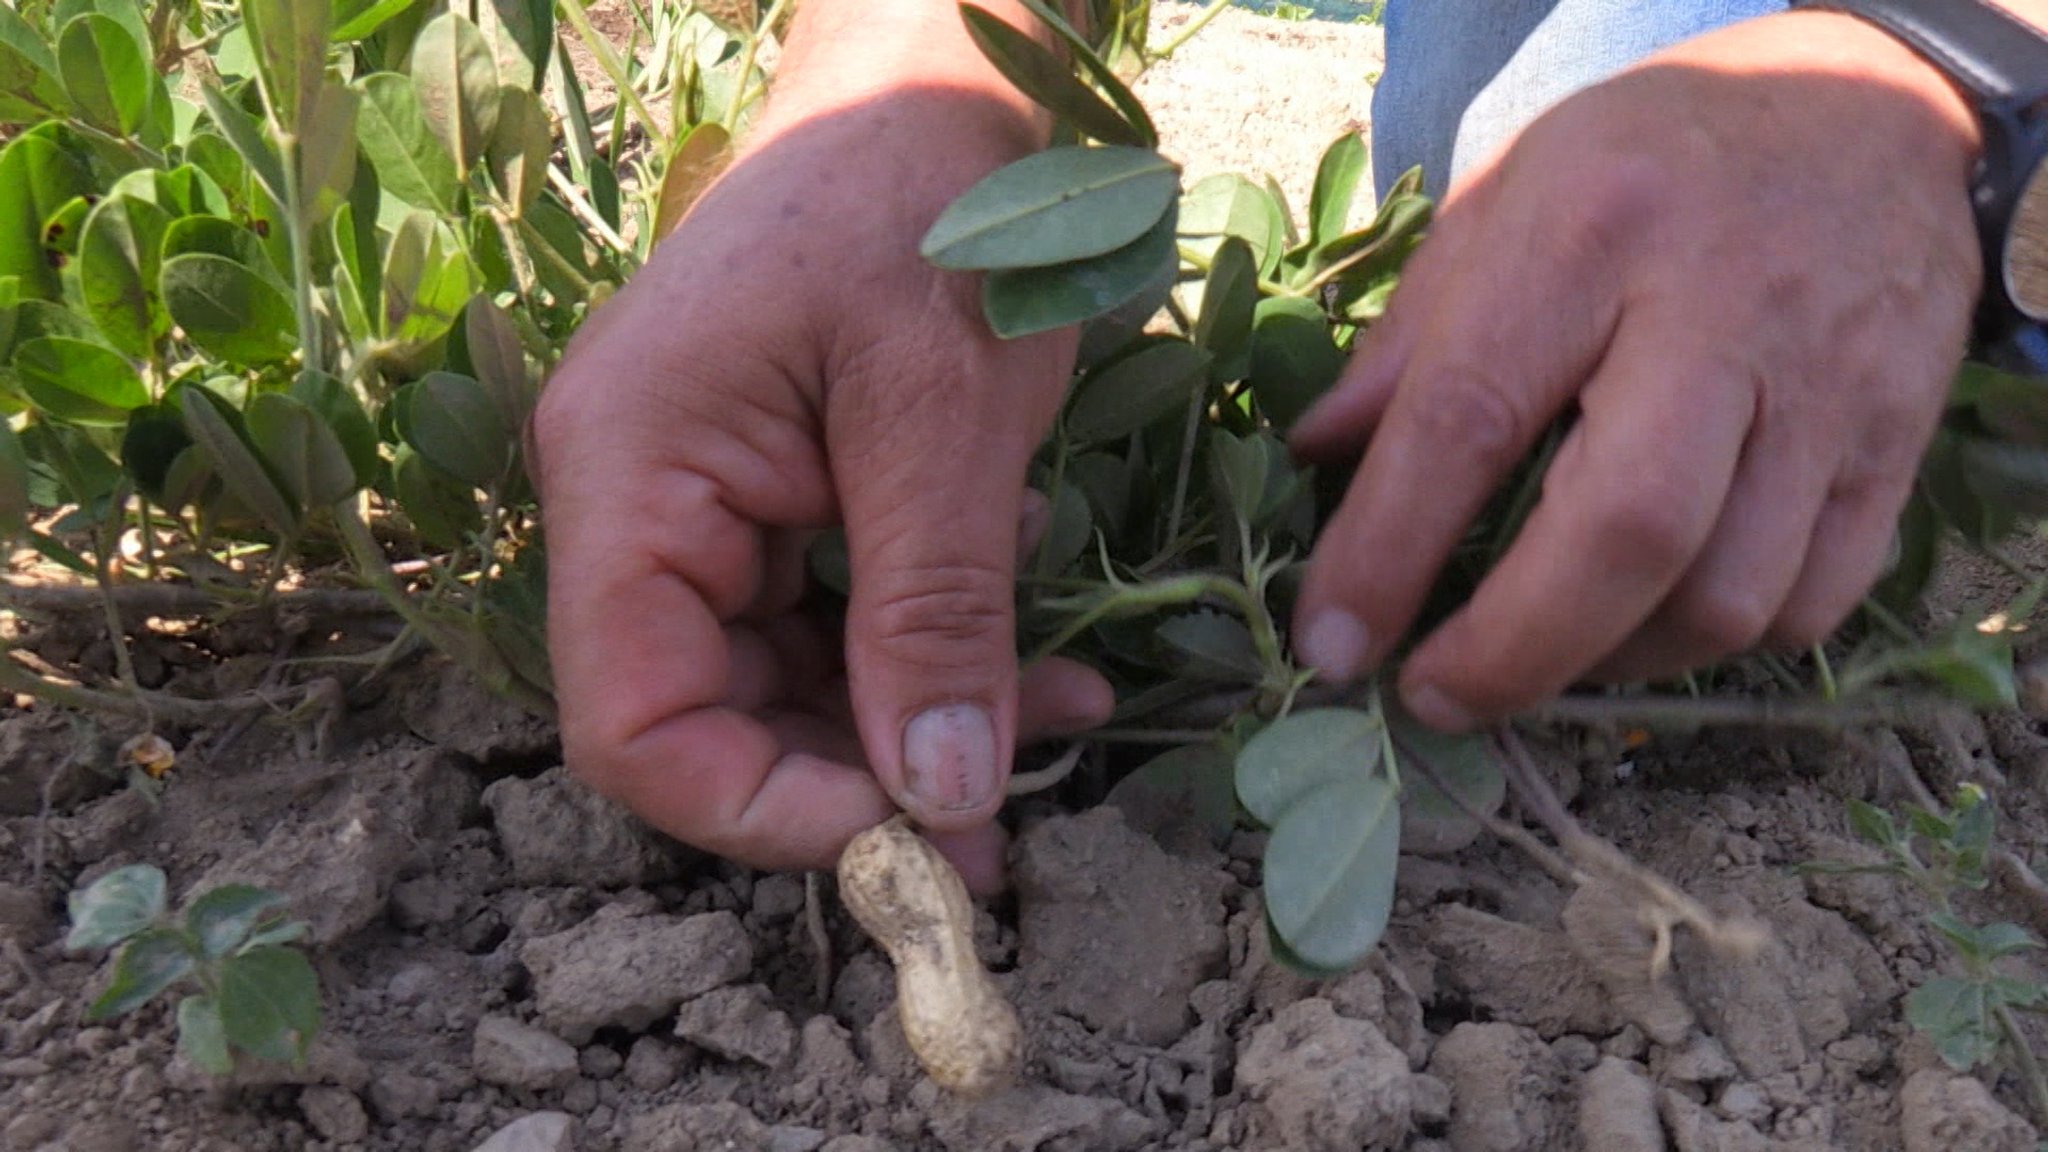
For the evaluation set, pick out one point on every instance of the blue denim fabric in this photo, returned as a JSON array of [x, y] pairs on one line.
[[1464, 75]]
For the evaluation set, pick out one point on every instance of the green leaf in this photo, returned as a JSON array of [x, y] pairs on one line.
[[411, 162], [343, 414], [29, 86], [440, 506], [1133, 391], [115, 907], [201, 1036], [217, 236], [147, 964], [327, 154], [228, 310], [78, 381], [1337, 176], [1212, 646], [290, 39], [270, 1003], [457, 427], [522, 35], [518, 152], [14, 485], [1185, 786], [303, 453], [2011, 406], [1047, 79], [38, 176], [1293, 360], [105, 73], [235, 462], [242, 131], [1069, 532], [1975, 668], [497, 360], [1433, 822], [1238, 471], [456, 79], [1303, 753], [287, 932], [1230, 205], [698, 157], [1329, 868], [1230, 298], [358, 19], [1872, 824], [150, 445], [119, 265], [1955, 1017], [1054, 207], [84, 473], [221, 919], [1105, 77], [1022, 301]]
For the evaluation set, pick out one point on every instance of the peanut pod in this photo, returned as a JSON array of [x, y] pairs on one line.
[[912, 902]]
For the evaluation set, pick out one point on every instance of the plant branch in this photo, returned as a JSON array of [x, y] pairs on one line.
[[176, 601]]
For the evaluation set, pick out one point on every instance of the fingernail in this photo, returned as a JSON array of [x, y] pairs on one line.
[[1427, 703], [949, 757], [1334, 644]]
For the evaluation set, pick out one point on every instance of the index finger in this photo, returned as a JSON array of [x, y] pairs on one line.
[[1627, 505]]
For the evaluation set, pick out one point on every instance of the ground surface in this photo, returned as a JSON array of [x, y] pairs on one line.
[[510, 964]]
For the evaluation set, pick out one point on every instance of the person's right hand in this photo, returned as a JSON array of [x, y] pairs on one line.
[[785, 362]]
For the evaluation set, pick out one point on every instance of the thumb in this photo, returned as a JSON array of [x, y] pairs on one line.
[[930, 469]]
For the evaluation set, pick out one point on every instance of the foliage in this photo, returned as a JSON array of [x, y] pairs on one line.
[[1968, 1014], [254, 994], [279, 281], [1178, 517]]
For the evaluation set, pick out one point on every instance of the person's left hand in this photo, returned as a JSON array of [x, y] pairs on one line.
[[1750, 262]]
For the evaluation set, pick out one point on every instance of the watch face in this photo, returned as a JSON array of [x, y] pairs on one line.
[[2026, 249]]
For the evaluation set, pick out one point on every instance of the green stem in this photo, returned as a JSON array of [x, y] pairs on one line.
[[2031, 1076], [103, 575], [535, 242], [1209, 12], [311, 354], [1202, 264], [1829, 691], [608, 60], [747, 58], [1190, 437]]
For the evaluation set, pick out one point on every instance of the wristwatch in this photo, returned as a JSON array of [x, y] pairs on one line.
[[2002, 63]]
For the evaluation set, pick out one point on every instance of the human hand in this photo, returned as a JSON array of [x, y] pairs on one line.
[[785, 362], [1750, 263]]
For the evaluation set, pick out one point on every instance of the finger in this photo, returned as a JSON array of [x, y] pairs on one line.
[[1850, 545], [1630, 499], [930, 462], [1733, 592], [1059, 697], [785, 572], [1487, 372], [977, 854]]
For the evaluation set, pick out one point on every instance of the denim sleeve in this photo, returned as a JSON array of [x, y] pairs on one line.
[[1464, 75]]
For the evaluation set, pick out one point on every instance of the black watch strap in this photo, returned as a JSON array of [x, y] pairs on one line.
[[1994, 54]]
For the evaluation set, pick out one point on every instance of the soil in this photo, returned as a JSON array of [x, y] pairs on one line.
[[509, 963]]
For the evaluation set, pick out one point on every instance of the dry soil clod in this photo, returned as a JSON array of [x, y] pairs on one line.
[[912, 902]]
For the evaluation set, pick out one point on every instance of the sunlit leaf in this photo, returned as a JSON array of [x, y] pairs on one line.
[[1047, 79], [517, 155], [105, 73], [1054, 207], [1022, 301], [119, 265], [696, 161], [79, 381], [456, 78], [229, 310], [1337, 176]]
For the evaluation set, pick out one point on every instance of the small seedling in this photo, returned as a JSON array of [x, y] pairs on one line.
[[254, 993], [1968, 1015]]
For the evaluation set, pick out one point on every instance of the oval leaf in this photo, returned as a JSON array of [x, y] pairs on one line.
[[301, 450], [115, 907], [1329, 870], [105, 73], [1047, 79], [270, 1003], [1131, 392], [456, 426], [1054, 207], [518, 152], [222, 919], [442, 508], [1023, 301], [228, 310], [146, 966], [235, 462], [201, 1036], [1304, 752], [456, 79], [78, 381], [119, 265]]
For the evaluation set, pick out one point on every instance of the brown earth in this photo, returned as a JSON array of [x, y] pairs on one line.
[[510, 964]]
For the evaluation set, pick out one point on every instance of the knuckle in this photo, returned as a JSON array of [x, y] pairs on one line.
[[945, 615], [1646, 532], [1614, 199], [1473, 409], [1724, 620]]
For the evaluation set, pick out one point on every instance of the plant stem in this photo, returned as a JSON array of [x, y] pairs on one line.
[[2029, 1067], [311, 356], [747, 58], [1826, 671], [103, 575], [608, 60], [1190, 438], [1209, 12], [583, 210], [537, 242], [181, 601]]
